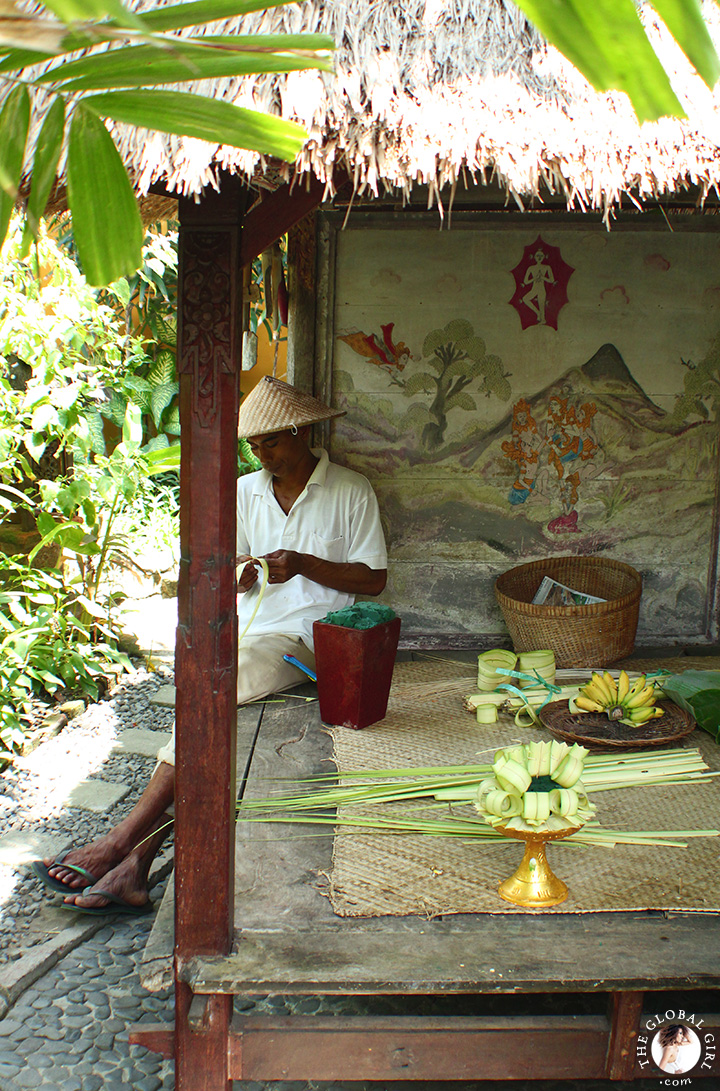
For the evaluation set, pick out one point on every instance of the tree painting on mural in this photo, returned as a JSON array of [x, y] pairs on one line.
[[554, 457], [456, 358], [541, 281]]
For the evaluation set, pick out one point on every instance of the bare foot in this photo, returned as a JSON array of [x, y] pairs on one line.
[[139, 829], [127, 881], [97, 858]]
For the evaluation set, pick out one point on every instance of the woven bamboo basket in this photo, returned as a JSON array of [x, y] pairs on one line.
[[580, 636]]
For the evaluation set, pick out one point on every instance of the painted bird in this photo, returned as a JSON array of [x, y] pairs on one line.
[[386, 354]]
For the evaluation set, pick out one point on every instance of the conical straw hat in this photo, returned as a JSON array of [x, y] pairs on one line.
[[273, 406]]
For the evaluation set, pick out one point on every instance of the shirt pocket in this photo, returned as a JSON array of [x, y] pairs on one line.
[[328, 549]]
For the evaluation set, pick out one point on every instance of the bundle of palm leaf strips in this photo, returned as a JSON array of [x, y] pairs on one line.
[[496, 795]]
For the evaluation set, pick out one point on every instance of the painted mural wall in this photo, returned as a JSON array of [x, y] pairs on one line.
[[519, 393]]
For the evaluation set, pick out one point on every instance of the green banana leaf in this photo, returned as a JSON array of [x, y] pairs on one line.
[[698, 692], [606, 41], [144, 65]]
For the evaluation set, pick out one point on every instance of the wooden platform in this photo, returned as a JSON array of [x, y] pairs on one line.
[[288, 941]]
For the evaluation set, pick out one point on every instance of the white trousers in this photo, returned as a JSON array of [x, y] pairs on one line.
[[261, 671]]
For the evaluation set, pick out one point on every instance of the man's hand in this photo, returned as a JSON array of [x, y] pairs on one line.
[[352, 577], [283, 564], [249, 574]]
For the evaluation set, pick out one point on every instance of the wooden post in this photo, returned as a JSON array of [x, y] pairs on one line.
[[209, 302], [625, 1012], [302, 288]]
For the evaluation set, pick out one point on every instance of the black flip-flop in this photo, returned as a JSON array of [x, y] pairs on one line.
[[43, 873], [118, 906]]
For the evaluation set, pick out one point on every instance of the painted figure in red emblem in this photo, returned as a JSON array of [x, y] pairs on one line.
[[541, 280]]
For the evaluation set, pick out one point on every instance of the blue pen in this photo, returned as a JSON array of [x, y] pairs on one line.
[[296, 663]]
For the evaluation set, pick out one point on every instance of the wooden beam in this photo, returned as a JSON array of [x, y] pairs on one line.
[[209, 301], [157, 1037], [270, 218], [417, 1048]]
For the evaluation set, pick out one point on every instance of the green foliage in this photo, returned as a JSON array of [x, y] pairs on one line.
[[45, 646], [128, 82], [247, 462], [52, 324], [698, 692], [74, 382], [607, 42], [457, 358]]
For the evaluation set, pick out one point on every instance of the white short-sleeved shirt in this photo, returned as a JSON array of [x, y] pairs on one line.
[[335, 517]]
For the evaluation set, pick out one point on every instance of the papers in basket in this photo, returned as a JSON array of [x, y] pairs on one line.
[[552, 593]]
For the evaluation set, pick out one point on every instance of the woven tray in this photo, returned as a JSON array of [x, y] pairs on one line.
[[596, 732]]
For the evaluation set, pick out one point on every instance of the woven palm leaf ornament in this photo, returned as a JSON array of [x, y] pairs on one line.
[[536, 787]]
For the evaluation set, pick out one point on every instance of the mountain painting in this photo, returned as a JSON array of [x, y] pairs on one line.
[[490, 444]]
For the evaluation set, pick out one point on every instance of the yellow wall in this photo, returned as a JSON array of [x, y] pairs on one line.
[[264, 365]]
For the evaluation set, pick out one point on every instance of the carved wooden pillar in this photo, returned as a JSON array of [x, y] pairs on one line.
[[209, 337]]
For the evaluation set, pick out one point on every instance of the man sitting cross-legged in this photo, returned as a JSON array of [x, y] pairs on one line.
[[318, 527]]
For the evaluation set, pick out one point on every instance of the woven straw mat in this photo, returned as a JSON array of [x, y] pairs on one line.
[[426, 725]]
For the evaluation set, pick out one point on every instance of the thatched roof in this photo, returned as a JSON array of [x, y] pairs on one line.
[[427, 92]]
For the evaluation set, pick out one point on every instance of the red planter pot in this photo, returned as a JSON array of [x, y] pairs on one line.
[[354, 671]]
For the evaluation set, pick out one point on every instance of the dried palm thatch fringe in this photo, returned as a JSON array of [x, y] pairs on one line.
[[435, 92]]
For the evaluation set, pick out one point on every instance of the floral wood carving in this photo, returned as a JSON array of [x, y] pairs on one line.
[[207, 348]]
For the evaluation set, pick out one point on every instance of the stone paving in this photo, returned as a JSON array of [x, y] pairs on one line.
[[69, 1030]]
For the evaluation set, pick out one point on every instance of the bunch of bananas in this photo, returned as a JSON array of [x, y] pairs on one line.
[[632, 703]]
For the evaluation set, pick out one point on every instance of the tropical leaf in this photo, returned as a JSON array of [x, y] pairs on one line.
[[163, 370], [698, 692], [157, 443], [47, 36], [164, 329], [138, 384], [47, 155], [95, 428], [114, 408], [161, 460], [193, 14], [283, 43], [121, 290], [205, 119], [35, 444], [606, 41], [83, 11], [171, 423], [684, 20], [107, 227], [144, 65], [160, 399], [14, 123], [16, 59], [132, 425]]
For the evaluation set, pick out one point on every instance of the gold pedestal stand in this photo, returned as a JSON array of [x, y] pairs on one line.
[[534, 885]]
